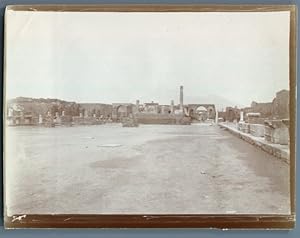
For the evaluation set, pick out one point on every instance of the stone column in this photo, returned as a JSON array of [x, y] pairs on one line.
[[137, 104], [217, 116], [10, 112], [40, 119], [172, 106], [56, 114], [181, 98], [63, 113], [80, 114], [241, 116]]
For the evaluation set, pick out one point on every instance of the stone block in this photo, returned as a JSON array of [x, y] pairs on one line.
[[257, 130], [244, 127]]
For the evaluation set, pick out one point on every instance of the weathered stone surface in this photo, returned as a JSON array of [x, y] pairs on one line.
[[244, 127], [171, 119], [183, 121], [85, 120], [278, 151], [130, 122], [257, 130], [254, 118], [153, 169], [277, 131]]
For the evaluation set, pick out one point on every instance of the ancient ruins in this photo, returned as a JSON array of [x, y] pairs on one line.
[[54, 112], [268, 120]]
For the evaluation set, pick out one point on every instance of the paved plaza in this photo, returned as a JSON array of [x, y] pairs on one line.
[[108, 169]]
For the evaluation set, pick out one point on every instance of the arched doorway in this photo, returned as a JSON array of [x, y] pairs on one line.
[[202, 113]]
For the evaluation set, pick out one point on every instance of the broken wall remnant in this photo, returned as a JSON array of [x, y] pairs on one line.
[[277, 131], [232, 114], [281, 104], [277, 109]]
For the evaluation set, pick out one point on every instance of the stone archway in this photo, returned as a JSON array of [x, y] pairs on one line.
[[120, 111], [202, 113], [211, 112]]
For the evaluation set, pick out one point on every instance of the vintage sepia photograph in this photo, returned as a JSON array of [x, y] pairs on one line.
[[119, 113]]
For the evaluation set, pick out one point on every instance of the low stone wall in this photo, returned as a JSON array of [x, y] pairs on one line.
[[147, 118], [273, 149], [87, 121], [275, 131]]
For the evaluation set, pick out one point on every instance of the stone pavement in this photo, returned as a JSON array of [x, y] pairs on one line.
[[150, 169]]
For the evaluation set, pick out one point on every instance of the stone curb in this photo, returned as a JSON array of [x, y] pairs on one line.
[[265, 146]]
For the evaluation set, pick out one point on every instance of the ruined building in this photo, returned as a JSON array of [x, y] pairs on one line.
[[51, 112]]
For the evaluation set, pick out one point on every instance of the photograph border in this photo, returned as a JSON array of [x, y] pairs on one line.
[[172, 220]]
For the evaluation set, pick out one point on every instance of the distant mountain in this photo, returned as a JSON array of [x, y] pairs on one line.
[[36, 100]]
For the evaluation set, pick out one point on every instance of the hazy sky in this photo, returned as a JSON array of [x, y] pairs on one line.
[[120, 57]]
